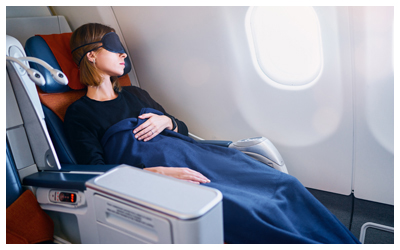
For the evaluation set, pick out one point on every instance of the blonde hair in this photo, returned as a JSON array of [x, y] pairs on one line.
[[89, 33]]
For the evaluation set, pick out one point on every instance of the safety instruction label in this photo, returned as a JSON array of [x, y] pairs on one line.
[[128, 213], [117, 220]]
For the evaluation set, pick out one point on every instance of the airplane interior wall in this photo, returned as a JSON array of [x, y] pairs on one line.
[[373, 29], [335, 132]]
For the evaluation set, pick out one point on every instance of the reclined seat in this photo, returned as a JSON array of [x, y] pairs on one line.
[[56, 98]]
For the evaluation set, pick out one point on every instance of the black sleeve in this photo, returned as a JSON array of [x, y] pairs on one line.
[[83, 142], [144, 96]]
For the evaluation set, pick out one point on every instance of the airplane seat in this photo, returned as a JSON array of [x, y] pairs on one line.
[[55, 98]]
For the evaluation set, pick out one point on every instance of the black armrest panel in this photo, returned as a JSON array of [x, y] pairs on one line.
[[58, 180], [86, 168]]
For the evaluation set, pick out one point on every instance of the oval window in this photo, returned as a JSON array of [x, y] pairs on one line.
[[287, 43]]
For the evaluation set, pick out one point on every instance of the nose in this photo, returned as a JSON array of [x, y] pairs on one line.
[[124, 55]]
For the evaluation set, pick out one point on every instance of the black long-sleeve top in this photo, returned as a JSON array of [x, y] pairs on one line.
[[87, 120]]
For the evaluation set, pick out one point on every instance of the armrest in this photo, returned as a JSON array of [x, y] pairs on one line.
[[178, 198], [216, 142], [69, 177], [58, 180], [86, 168], [151, 208], [261, 149]]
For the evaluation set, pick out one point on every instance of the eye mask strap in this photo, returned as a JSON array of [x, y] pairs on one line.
[[110, 42], [85, 45]]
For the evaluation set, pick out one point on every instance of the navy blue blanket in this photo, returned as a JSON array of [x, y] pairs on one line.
[[260, 204]]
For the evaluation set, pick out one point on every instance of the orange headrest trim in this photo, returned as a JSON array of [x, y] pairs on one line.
[[59, 45]]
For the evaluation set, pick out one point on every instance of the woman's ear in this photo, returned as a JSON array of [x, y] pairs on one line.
[[91, 56]]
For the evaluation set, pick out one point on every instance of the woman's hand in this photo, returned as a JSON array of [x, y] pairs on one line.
[[154, 125], [186, 174]]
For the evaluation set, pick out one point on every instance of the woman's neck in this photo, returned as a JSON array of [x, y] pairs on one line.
[[103, 92]]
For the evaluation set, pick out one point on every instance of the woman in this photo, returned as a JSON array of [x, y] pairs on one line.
[[124, 125], [87, 120]]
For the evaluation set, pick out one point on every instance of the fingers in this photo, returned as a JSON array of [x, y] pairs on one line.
[[146, 115], [146, 133], [186, 174], [149, 129], [154, 125], [192, 176]]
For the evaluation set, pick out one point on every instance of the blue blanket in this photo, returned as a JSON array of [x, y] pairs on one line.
[[260, 204]]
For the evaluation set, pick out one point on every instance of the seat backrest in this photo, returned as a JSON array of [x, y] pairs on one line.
[[55, 98]]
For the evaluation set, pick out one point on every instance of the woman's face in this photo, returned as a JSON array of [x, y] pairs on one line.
[[110, 63]]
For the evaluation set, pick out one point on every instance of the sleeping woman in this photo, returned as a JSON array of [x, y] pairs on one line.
[[124, 125]]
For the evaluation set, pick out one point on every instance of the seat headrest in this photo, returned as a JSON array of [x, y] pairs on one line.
[[54, 49]]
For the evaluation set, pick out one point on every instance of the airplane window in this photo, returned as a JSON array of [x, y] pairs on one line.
[[287, 43]]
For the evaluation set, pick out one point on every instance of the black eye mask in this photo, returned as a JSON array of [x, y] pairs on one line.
[[110, 42]]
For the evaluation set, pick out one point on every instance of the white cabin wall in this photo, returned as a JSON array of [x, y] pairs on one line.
[[311, 125], [373, 29]]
